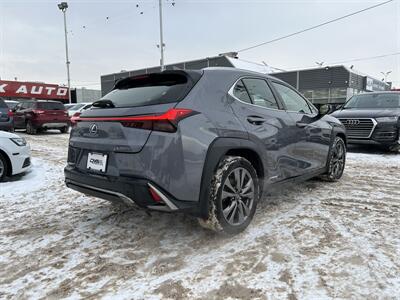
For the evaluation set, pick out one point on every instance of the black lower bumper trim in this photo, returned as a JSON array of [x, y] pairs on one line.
[[121, 190]]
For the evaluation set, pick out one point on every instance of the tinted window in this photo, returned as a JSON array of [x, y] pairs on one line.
[[293, 101], [260, 93], [3, 104], [240, 92], [50, 105], [76, 107], [149, 90], [11, 104], [25, 105], [384, 100]]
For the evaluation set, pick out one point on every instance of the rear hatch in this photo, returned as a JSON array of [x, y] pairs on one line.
[[4, 111], [51, 111], [123, 120]]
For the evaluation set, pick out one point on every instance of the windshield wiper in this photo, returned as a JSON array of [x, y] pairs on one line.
[[104, 103]]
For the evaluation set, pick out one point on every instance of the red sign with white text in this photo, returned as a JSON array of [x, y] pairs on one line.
[[19, 89]]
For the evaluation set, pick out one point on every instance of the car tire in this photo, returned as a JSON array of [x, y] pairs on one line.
[[336, 160], [233, 197], [64, 129], [30, 129], [3, 167]]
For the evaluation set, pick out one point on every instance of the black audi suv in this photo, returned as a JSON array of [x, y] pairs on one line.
[[207, 143], [373, 119]]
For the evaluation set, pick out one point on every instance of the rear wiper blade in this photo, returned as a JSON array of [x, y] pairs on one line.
[[104, 103]]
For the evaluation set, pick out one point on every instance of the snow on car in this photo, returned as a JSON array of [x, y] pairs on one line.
[[312, 240]]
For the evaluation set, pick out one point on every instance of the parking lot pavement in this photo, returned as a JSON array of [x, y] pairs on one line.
[[313, 240]]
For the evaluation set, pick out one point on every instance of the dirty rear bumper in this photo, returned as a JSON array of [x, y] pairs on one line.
[[127, 190]]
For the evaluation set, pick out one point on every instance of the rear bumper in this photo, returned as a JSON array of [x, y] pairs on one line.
[[127, 190], [48, 124]]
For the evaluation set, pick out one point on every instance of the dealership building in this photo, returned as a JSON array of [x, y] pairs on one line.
[[331, 85], [326, 85], [21, 90], [108, 81]]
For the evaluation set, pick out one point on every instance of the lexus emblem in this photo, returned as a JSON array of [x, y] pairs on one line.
[[352, 122], [93, 129]]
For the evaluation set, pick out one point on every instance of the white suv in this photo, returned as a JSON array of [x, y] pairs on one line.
[[15, 155]]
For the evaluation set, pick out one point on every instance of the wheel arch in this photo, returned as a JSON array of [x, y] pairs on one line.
[[340, 132], [218, 149], [251, 155], [8, 161], [343, 136]]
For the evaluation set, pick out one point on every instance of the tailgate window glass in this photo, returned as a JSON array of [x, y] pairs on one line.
[[150, 90], [50, 105]]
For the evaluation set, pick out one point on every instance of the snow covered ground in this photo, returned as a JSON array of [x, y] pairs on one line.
[[315, 240]]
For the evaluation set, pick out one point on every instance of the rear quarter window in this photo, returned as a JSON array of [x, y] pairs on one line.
[[157, 88]]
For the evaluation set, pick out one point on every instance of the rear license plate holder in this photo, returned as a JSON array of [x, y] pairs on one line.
[[97, 162]]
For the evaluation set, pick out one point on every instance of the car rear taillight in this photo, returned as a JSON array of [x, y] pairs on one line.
[[167, 122], [74, 118], [156, 197], [38, 111], [10, 113]]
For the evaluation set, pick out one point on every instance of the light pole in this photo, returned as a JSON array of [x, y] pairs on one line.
[[161, 36], [63, 7], [386, 74]]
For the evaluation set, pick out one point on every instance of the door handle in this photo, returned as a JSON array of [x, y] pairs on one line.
[[255, 120], [301, 124]]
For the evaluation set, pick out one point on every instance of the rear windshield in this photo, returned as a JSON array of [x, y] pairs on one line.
[[3, 104], [50, 105], [158, 88], [378, 101]]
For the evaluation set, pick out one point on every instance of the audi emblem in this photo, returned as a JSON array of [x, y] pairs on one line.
[[93, 129], [352, 122]]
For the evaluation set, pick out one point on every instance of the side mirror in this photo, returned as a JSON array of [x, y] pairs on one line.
[[325, 109]]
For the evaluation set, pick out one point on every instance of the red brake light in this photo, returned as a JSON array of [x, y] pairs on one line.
[[38, 112], [154, 195], [75, 117], [167, 121]]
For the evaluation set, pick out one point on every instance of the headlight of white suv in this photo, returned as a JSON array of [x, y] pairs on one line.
[[387, 119], [19, 141]]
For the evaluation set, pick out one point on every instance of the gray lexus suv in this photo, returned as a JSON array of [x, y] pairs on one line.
[[207, 143]]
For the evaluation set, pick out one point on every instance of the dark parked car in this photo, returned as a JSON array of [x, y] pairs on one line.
[[41, 115], [207, 143], [6, 117], [372, 118]]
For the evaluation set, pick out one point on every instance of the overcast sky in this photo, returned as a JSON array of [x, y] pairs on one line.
[[32, 38]]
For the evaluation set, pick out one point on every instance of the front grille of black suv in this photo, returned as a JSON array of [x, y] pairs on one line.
[[359, 128]]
